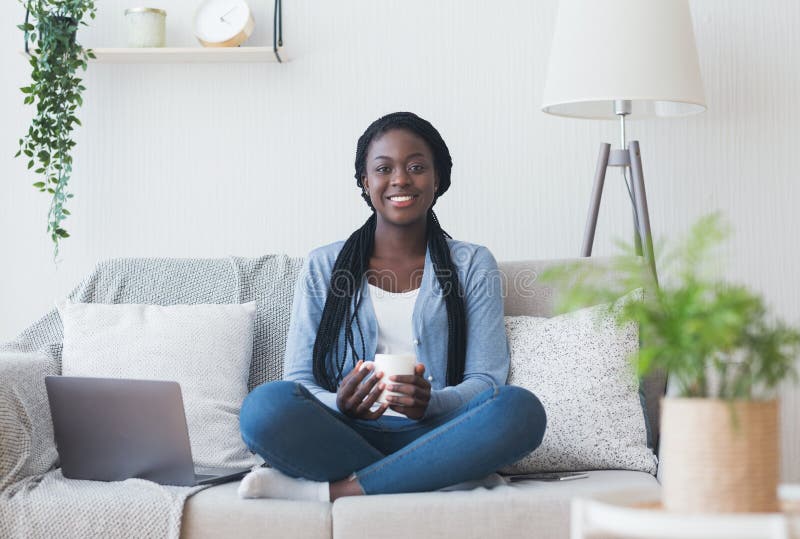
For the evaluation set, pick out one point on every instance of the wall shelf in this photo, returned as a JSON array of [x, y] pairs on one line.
[[174, 55], [196, 54]]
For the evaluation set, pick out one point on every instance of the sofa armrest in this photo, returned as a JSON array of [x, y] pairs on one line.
[[26, 430]]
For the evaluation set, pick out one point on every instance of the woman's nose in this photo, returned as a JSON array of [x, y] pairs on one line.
[[401, 177]]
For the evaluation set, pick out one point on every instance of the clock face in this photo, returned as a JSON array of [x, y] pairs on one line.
[[219, 20]]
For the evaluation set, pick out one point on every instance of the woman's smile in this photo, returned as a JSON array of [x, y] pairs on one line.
[[403, 201]]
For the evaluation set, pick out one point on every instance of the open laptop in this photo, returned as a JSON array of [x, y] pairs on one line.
[[109, 429]]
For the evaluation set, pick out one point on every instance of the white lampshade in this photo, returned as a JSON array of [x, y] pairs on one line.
[[638, 50]]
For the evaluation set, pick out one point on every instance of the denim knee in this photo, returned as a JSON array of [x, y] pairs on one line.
[[528, 419], [264, 409]]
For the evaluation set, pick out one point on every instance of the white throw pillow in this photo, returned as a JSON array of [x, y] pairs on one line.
[[578, 365], [206, 348]]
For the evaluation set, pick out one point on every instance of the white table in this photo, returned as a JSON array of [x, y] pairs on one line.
[[635, 514]]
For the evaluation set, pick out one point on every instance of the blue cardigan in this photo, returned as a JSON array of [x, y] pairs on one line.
[[487, 352]]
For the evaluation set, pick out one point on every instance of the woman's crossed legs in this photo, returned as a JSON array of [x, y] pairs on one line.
[[298, 435]]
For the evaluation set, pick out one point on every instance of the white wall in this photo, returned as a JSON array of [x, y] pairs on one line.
[[210, 160]]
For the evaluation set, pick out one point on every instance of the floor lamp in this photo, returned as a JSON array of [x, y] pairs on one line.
[[623, 59]]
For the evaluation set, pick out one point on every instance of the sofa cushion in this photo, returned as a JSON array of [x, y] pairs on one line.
[[525, 294], [219, 512], [526, 509], [209, 513], [578, 365], [206, 348]]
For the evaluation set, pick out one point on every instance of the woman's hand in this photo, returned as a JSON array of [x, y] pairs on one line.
[[416, 392], [355, 399]]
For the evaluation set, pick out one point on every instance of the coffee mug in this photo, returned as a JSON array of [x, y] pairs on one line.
[[390, 365]]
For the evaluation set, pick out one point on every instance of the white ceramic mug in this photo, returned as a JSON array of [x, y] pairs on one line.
[[391, 364]]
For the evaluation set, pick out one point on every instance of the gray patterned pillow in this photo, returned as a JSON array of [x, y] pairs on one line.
[[578, 365]]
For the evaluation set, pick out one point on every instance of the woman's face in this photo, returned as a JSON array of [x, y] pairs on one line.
[[400, 163]]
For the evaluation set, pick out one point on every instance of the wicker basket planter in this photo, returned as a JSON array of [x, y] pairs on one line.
[[714, 466]]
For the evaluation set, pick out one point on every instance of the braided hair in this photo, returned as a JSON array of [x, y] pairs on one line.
[[353, 261]]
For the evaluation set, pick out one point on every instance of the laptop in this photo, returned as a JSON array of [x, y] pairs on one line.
[[110, 429]]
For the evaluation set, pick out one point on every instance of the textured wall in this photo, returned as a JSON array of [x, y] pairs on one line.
[[211, 160]]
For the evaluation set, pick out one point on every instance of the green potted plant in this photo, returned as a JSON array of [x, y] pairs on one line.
[[725, 358], [55, 56]]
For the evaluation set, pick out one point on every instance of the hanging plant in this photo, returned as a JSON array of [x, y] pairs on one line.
[[55, 56]]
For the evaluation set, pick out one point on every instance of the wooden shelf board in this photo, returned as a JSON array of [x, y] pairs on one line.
[[179, 55]]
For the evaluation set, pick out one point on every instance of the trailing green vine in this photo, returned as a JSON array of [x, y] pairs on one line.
[[55, 57]]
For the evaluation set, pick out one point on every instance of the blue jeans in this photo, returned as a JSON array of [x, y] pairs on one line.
[[298, 435]]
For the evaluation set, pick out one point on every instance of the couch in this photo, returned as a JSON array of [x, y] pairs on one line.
[[528, 509]]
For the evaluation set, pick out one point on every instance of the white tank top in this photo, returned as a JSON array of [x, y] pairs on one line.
[[394, 311]]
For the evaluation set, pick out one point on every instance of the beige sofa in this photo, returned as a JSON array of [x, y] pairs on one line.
[[524, 509]]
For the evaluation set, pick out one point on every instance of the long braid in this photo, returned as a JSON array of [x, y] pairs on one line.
[[348, 270], [456, 315], [353, 261]]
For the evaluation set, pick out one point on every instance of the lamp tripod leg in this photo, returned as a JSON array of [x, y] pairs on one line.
[[597, 194], [637, 235], [643, 228]]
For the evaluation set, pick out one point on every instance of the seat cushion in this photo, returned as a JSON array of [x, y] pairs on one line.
[[528, 509], [219, 512]]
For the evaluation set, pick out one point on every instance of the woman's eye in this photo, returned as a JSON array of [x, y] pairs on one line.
[[417, 168], [382, 169]]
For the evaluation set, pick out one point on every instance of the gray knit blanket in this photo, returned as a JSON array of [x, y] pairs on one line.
[[35, 499]]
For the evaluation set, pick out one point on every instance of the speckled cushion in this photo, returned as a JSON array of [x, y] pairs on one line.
[[578, 365]]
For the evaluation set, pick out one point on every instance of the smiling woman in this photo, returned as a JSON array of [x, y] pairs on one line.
[[321, 428], [401, 178]]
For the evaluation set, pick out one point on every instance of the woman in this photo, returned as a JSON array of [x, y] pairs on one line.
[[400, 283]]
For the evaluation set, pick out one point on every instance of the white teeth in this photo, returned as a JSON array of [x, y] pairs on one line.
[[400, 199]]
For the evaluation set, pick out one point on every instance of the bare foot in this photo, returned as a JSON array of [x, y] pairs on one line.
[[345, 487]]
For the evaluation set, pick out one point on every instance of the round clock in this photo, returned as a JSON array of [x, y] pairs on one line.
[[223, 23]]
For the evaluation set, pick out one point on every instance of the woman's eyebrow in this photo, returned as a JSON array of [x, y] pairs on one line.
[[416, 154]]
